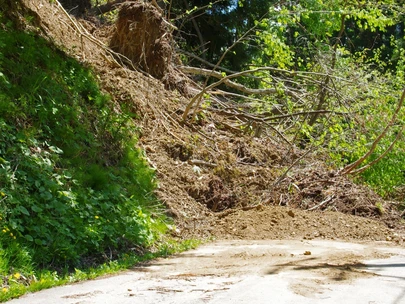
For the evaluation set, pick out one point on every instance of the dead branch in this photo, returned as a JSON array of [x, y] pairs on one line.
[[202, 163], [227, 82], [264, 118], [197, 98], [207, 63], [300, 114], [327, 200]]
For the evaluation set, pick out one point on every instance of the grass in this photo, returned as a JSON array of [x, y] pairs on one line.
[[19, 284]]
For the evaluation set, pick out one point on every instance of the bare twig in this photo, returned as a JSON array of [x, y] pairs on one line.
[[327, 200], [197, 98]]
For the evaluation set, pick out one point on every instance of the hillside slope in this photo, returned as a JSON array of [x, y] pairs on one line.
[[214, 180]]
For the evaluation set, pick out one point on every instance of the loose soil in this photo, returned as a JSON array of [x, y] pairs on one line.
[[215, 181]]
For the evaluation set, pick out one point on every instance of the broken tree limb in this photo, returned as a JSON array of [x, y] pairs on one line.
[[196, 100], [327, 200], [227, 82], [225, 79]]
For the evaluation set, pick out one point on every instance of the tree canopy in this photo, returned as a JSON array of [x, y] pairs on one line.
[[209, 28]]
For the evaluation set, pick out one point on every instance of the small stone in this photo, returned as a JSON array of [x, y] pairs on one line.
[[291, 213], [307, 252]]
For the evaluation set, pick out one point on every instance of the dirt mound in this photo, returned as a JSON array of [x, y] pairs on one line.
[[275, 222], [317, 188], [216, 180]]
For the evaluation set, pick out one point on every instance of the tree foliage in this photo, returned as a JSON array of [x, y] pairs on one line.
[[208, 28]]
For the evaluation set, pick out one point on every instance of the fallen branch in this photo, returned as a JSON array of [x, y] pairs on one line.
[[207, 63], [267, 117], [327, 200], [227, 82], [301, 114], [202, 163], [197, 98]]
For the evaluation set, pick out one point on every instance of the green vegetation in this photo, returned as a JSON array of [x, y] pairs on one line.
[[18, 282], [75, 192], [340, 63], [326, 49]]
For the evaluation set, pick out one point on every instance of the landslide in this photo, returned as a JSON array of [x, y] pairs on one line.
[[215, 181]]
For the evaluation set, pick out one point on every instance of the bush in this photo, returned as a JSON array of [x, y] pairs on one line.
[[72, 183]]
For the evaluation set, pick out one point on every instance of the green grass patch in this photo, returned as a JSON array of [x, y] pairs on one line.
[[19, 284]]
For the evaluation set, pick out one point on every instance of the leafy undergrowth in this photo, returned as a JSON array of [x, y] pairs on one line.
[[75, 192]]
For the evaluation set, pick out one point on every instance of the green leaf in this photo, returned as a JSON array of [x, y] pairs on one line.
[[23, 210], [35, 208], [39, 242]]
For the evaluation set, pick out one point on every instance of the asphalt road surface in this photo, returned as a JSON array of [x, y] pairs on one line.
[[251, 272]]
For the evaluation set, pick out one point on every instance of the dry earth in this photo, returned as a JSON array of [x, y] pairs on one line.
[[214, 180]]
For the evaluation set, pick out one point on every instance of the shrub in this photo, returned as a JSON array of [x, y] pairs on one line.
[[72, 183]]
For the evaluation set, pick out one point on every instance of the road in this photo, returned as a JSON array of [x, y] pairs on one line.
[[315, 271]]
